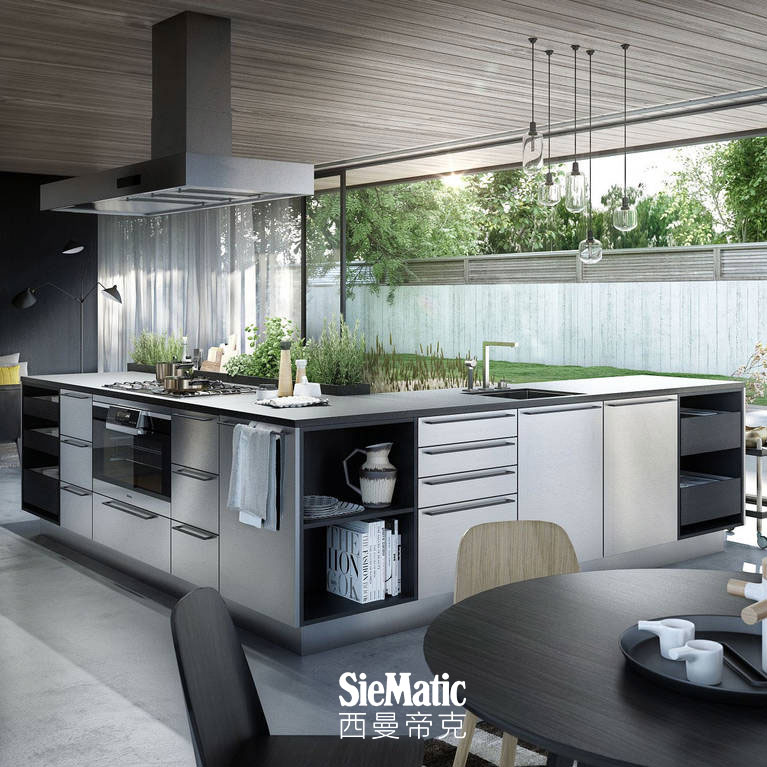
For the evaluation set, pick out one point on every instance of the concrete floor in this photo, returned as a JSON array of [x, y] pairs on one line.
[[89, 675]]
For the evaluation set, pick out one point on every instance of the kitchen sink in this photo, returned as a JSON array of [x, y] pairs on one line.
[[519, 393]]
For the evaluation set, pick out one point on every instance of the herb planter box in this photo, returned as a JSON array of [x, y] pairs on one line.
[[331, 389]]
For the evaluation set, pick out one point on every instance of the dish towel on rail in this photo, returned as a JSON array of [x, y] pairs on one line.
[[253, 480]]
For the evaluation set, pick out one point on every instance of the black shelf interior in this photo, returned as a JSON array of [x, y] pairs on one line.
[[40, 452], [323, 474]]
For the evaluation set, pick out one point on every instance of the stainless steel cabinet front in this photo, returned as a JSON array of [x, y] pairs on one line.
[[466, 427], [440, 531], [75, 414], [467, 486], [76, 510], [132, 531], [194, 497], [76, 462], [471, 456], [194, 555], [194, 441]]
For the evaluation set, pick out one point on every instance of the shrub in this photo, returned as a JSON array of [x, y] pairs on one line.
[[338, 357]]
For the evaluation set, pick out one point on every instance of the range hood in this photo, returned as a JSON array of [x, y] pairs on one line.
[[192, 167]]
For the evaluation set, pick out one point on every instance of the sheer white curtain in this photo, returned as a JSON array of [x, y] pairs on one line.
[[204, 275]]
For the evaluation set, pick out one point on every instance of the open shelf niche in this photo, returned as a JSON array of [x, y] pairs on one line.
[[323, 474], [40, 452], [710, 463]]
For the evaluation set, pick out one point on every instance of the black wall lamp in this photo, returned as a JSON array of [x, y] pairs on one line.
[[28, 297]]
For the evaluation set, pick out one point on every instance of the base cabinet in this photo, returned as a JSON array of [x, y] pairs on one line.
[[194, 555], [641, 473], [560, 471], [76, 510]]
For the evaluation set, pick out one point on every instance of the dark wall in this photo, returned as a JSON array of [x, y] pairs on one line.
[[47, 334]]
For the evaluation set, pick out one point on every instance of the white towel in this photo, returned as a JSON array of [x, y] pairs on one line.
[[253, 480]]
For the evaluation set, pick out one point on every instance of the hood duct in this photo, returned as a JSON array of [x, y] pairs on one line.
[[192, 167]]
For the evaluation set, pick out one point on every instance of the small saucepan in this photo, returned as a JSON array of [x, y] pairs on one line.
[[178, 384]]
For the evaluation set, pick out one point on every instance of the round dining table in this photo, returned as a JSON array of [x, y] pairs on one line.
[[541, 660]]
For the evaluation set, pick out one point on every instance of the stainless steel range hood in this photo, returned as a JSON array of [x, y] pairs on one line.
[[192, 167]]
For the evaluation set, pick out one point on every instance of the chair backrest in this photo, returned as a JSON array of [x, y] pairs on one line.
[[221, 699], [496, 553]]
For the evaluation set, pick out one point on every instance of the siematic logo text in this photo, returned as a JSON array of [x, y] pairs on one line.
[[398, 689]]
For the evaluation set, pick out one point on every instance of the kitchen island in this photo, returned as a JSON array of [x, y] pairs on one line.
[[639, 470]]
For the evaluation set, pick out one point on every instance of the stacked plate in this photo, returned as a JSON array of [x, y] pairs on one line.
[[325, 506]]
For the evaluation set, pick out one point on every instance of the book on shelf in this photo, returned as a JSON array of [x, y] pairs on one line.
[[363, 560]]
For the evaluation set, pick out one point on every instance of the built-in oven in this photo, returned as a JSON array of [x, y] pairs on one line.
[[131, 452]]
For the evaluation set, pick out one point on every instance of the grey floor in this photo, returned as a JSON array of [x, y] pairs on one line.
[[89, 675]]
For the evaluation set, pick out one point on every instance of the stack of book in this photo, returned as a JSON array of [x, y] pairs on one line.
[[364, 560]]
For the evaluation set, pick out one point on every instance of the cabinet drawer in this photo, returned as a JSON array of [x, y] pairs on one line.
[[76, 510], [466, 427], [448, 459], [719, 498], [440, 531], [466, 486], [76, 415], [132, 531], [194, 497], [194, 441], [76, 460], [194, 555], [703, 431]]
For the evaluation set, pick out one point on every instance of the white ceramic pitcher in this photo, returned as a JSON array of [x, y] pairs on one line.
[[377, 475]]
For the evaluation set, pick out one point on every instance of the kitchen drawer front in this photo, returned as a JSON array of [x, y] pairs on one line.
[[75, 414], [76, 461], [449, 459], [711, 501], [467, 486], [194, 497], [76, 510], [132, 531], [194, 555], [194, 441], [704, 433], [440, 531], [466, 427]]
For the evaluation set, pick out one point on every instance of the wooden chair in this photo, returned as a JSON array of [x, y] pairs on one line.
[[226, 719], [495, 554]]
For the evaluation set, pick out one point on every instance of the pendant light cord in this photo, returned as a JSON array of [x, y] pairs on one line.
[[548, 129], [625, 47], [532, 41], [575, 102], [590, 53]]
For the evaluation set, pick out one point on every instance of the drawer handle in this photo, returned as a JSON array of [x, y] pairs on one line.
[[75, 442], [467, 417], [641, 402], [195, 532], [192, 474], [546, 411], [134, 511], [76, 491], [464, 448], [197, 417], [467, 506], [74, 395], [466, 478]]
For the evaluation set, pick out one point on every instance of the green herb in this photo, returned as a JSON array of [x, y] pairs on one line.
[[151, 348], [264, 360], [338, 357]]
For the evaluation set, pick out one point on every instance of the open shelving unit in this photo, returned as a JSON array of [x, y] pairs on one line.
[[710, 462], [40, 452], [323, 453]]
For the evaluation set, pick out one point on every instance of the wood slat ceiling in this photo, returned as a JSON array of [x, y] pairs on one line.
[[325, 81]]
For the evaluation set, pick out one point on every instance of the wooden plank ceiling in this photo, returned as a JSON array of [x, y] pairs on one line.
[[325, 81]]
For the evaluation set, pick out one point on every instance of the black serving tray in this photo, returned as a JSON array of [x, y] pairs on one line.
[[743, 681]]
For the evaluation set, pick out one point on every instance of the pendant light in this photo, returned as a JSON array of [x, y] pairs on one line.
[[532, 143], [575, 184], [625, 218], [590, 250], [550, 191]]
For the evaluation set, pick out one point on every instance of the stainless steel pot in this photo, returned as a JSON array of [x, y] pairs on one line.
[[163, 370], [177, 384]]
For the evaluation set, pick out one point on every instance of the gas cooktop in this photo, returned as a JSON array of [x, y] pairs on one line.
[[211, 388]]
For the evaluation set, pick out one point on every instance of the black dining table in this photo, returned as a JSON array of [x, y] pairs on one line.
[[541, 660]]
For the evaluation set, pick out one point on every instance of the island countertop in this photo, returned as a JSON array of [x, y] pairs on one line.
[[390, 406]]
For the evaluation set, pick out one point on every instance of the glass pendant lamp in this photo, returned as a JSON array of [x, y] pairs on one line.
[[550, 191], [575, 184], [625, 217], [590, 249], [532, 141]]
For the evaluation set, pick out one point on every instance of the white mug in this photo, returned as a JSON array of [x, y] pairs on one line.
[[703, 660], [672, 632]]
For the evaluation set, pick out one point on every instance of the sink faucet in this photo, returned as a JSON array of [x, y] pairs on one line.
[[486, 358]]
